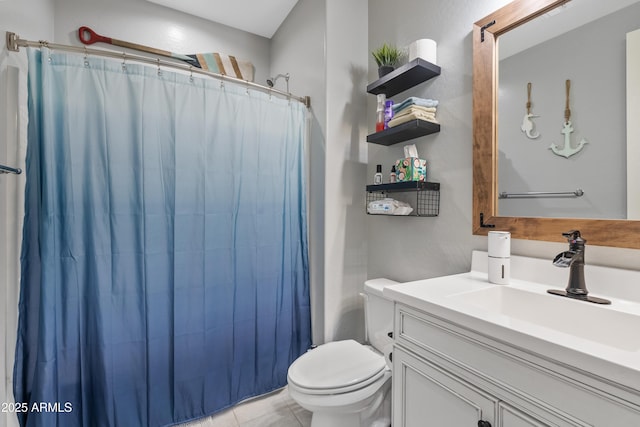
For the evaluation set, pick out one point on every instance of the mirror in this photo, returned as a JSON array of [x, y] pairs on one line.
[[583, 41], [486, 153]]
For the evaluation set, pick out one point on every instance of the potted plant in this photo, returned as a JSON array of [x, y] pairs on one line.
[[386, 56]]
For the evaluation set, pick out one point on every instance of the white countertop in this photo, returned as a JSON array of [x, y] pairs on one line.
[[610, 351]]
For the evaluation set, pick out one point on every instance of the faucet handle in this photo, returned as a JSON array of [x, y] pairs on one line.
[[573, 237]]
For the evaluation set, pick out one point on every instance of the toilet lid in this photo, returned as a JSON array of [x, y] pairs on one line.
[[336, 365]]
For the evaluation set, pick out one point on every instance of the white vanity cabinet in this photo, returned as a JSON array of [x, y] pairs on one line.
[[447, 374], [425, 394]]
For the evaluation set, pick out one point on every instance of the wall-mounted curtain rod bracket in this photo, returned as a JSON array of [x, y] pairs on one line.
[[484, 27], [14, 42], [505, 195], [6, 169]]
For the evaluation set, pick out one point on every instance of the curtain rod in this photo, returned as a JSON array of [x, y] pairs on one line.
[[14, 42]]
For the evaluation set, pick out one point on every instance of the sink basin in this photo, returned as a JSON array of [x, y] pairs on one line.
[[582, 319]]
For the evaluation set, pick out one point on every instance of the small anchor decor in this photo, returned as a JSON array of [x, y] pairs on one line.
[[567, 151], [527, 123]]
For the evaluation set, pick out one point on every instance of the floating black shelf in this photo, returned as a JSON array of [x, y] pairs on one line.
[[404, 77], [404, 132], [405, 186], [425, 200]]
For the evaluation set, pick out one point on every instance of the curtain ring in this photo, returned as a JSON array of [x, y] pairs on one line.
[[124, 61], [86, 57], [159, 70], [247, 86], [191, 73], [221, 84], [45, 44]]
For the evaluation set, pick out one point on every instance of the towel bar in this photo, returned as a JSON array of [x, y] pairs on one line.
[[7, 169], [577, 193]]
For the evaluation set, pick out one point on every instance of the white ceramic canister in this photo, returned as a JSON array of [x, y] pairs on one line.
[[499, 257]]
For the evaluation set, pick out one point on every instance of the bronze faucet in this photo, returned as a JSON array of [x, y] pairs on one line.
[[574, 259]]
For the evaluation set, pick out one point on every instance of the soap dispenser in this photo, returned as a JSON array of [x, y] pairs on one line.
[[499, 257]]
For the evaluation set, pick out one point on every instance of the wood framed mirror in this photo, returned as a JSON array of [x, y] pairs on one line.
[[602, 232]]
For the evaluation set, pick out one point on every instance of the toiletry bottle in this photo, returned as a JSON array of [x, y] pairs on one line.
[[377, 178], [393, 176], [380, 112], [388, 113]]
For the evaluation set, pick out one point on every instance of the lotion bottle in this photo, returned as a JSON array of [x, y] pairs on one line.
[[377, 178], [393, 177]]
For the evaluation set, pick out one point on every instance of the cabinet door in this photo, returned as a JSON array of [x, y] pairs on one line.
[[424, 394], [511, 417]]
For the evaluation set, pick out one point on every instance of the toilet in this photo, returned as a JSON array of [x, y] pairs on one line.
[[345, 383]]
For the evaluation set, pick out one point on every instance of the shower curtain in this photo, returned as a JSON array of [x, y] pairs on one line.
[[164, 262]]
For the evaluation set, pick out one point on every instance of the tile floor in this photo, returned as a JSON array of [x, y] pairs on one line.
[[275, 409]]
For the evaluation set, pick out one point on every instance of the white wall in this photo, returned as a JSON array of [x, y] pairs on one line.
[[149, 24], [323, 44], [346, 162], [414, 248], [29, 19], [302, 35]]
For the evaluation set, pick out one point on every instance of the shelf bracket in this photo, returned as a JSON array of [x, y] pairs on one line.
[[482, 223], [484, 27]]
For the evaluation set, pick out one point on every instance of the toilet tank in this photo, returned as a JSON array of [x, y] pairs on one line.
[[378, 313]]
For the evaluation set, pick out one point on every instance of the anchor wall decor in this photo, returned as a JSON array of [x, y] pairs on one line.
[[527, 123], [567, 150]]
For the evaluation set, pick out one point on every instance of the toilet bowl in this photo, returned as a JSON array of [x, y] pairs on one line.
[[345, 383]]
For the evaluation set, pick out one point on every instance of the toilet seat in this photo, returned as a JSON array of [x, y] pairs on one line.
[[336, 367]]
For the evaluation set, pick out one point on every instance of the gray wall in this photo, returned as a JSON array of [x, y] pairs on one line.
[[299, 36], [409, 248], [414, 248], [323, 45], [345, 169], [593, 58]]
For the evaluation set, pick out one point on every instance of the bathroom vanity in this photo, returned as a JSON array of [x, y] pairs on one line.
[[471, 353]]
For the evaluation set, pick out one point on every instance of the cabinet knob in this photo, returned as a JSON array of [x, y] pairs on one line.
[[482, 423]]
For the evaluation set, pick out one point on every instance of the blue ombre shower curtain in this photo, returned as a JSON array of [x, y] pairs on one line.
[[164, 261]]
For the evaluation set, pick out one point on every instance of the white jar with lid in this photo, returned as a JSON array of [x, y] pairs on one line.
[[499, 250]]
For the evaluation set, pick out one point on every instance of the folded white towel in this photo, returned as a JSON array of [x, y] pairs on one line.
[[414, 100], [429, 117], [415, 109]]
